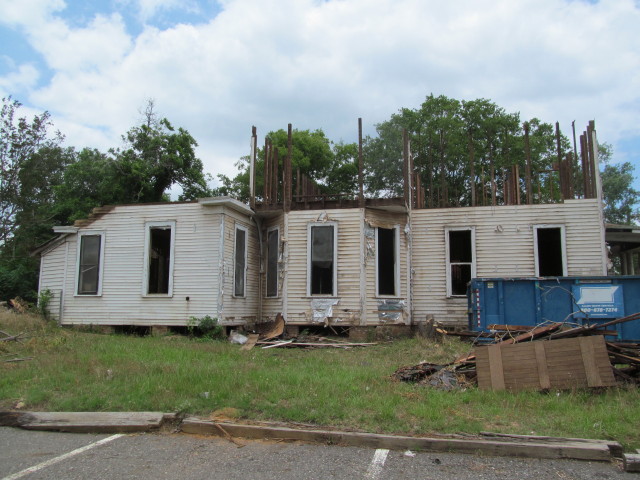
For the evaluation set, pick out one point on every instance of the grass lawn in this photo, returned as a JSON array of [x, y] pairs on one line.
[[348, 389]]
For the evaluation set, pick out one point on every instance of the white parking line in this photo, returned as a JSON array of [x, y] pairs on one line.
[[55, 460], [375, 468]]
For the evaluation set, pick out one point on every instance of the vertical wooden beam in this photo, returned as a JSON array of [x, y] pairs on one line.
[[517, 176], [360, 167], [252, 168], [586, 178], [275, 160], [560, 164], [591, 159], [493, 175], [495, 367], [472, 168], [267, 172], [541, 362], [287, 170], [405, 167], [527, 150]]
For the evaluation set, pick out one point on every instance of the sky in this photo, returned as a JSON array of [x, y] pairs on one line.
[[216, 68]]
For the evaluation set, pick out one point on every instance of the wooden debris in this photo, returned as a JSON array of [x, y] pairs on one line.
[[570, 363], [18, 305], [292, 343], [276, 330], [251, 342]]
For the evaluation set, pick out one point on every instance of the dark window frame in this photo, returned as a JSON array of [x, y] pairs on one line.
[[322, 274], [273, 255], [240, 264], [85, 265], [463, 263]]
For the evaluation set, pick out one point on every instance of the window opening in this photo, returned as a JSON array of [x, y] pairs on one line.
[[272, 263], [550, 257], [322, 260], [89, 273], [386, 261], [460, 261], [240, 262], [159, 259]]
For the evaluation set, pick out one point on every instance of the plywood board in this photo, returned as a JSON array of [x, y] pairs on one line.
[[569, 363]]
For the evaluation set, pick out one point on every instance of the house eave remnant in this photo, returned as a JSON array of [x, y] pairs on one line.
[[226, 202]]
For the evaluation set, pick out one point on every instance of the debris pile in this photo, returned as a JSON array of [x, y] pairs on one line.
[[543, 357]]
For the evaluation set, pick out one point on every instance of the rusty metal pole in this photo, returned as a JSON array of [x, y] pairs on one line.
[[405, 166]]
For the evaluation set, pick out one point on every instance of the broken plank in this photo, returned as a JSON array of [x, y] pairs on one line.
[[251, 342]]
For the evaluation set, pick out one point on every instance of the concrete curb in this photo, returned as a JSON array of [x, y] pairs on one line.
[[130, 422], [577, 450], [87, 422]]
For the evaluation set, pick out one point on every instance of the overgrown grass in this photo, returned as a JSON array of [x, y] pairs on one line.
[[348, 389]]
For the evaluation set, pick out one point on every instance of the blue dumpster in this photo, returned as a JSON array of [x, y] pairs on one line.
[[575, 300]]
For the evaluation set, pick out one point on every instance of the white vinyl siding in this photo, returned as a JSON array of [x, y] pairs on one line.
[[504, 248]]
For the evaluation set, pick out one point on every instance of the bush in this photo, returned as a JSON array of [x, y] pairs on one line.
[[207, 326]]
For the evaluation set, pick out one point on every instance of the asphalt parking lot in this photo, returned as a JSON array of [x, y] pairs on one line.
[[49, 455]]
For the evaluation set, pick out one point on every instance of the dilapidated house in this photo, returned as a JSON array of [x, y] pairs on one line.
[[313, 258]]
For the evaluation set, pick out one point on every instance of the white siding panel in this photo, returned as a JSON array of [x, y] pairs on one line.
[[52, 268], [194, 277], [504, 248], [348, 264]]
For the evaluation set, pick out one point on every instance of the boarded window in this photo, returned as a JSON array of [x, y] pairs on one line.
[[159, 260], [386, 261], [89, 265], [460, 261], [550, 255], [240, 262], [272, 263], [322, 260]]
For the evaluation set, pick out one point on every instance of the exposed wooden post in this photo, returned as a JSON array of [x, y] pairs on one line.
[[275, 160], [586, 179], [493, 175], [252, 168], [527, 150], [360, 167], [560, 163], [267, 173], [517, 176], [596, 164], [472, 169], [287, 170], [405, 167]]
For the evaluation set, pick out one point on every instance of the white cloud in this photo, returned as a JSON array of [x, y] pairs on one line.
[[18, 81], [323, 64]]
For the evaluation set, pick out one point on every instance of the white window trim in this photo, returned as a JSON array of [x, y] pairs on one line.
[[145, 271], [246, 248], [335, 258], [277, 295], [396, 263], [101, 234], [563, 245], [448, 257]]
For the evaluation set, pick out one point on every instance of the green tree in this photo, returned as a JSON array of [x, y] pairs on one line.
[[155, 158], [619, 197], [31, 164]]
